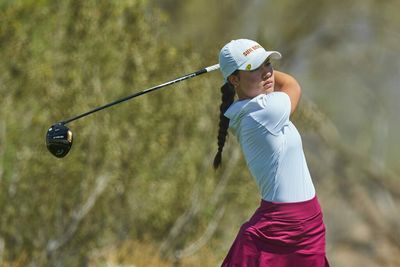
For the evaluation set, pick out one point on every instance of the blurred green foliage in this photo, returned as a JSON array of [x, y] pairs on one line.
[[145, 157], [140, 173]]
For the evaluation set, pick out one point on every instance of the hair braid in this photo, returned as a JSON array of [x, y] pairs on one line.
[[228, 94]]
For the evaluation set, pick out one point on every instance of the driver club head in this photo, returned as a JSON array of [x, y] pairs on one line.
[[59, 140]]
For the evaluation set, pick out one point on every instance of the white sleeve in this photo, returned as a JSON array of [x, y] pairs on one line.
[[275, 111]]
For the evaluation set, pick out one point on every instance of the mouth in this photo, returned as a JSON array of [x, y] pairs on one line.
[[268, 84]]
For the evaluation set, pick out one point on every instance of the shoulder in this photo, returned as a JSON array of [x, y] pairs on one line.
[[273, 103], [236, 108], [272, 100]]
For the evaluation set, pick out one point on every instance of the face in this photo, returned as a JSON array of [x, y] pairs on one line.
[[249, 84]]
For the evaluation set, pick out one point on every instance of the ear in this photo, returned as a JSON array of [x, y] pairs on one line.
[[234, 80]]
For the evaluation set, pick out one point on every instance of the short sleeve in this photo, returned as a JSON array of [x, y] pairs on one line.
[[273, 112]]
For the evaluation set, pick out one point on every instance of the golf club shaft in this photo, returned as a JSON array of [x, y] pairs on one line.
[[185, 77]]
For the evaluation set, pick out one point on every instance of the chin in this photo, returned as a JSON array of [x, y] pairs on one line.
[[269, 90]]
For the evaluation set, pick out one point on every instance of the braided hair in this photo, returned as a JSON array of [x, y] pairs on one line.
[[228, 94]]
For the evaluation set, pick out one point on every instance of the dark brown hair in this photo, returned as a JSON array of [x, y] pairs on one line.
[[228, 95]]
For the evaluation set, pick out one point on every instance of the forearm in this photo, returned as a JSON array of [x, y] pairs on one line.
[[286, 83]]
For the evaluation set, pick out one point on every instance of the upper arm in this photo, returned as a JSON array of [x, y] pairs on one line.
[[287, 84]]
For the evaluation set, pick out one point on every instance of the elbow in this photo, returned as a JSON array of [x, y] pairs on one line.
[[295, 96], [298, 89]]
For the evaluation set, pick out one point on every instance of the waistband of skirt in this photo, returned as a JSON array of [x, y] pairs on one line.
[[290, 210]]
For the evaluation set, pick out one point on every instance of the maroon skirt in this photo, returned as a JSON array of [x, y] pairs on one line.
[[281, 235]]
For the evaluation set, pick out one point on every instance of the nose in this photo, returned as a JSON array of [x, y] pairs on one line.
[[266, 72]]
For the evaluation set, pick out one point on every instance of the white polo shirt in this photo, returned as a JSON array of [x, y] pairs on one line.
[[272, 147]]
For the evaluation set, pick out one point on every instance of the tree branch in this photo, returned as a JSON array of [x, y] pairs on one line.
[[199, 243], [78, 215]]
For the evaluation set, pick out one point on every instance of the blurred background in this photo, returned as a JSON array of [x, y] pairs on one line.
[[137, 188]]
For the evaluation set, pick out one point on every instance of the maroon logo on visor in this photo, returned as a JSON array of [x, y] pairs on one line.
[[251, 49]]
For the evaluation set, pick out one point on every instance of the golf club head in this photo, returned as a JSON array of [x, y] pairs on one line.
[[59, 140]]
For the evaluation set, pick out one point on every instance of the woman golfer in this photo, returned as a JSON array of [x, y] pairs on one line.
[[287, 229]]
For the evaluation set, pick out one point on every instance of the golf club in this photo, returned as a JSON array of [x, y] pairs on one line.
[[59, 138]]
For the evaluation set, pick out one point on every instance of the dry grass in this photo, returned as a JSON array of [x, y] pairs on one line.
[[145, 254]]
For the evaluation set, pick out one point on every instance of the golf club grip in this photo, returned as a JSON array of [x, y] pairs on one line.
[[185, 77], [212, 68]]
